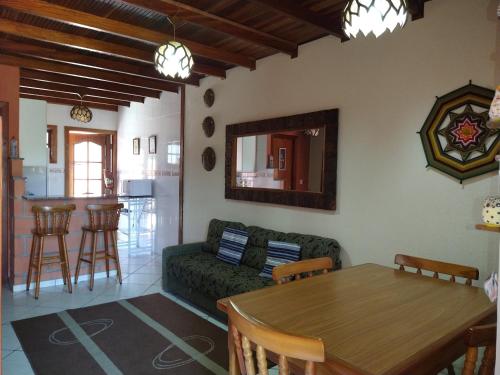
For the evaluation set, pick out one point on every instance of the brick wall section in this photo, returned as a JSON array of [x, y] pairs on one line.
[[24, 222]]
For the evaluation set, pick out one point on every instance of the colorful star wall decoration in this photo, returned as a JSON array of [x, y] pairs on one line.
[[455, 137]]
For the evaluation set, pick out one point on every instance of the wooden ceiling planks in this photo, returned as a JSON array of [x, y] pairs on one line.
[[97, 43], [61, 87], [88, 83], [72, 96], [90, 104]]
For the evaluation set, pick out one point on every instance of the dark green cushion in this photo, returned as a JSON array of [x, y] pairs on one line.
[[205, 273]]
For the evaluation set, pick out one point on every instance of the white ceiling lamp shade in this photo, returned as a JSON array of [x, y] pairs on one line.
[[373, 16], [495, 111], [174, 59]]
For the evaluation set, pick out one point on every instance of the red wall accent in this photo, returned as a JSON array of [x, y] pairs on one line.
[[9, 92]]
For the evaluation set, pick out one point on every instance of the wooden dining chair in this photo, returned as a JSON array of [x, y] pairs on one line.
[[294, 270], [438, 268], [478, 337], [450, 269], [247, 332]]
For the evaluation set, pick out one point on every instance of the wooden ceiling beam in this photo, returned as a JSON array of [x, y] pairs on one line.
[[88, 83], [89, 104], [90, 21], [60, 87], [73, 96], [195, 15], [55, 67], [291, 9], [74, 58], [75, 41]]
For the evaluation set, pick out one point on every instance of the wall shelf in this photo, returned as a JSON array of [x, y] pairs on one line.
[[488, 228]]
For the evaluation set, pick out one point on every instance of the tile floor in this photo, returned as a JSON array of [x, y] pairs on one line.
[[141, 275]]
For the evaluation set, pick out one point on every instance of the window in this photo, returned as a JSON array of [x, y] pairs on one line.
[[173, 152], [87, 167]]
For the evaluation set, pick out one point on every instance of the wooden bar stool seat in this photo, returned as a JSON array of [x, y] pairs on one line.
[[103, 218], [49, 222]]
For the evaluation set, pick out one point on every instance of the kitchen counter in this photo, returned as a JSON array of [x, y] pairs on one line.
[[63, 197]]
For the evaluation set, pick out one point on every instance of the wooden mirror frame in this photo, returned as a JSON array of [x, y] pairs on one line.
[[326, 199]]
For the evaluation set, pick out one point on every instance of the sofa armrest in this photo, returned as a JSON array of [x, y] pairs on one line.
[[171, 251]]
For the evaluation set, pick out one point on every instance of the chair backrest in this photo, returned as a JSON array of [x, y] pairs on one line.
[[104, 216], [52, 219], [285, 272], [476, 337], [247, 330], [450, 269]]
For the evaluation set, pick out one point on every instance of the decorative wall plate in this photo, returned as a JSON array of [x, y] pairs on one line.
[[208, 159], [208, 126], [455, 137], [209, 97]]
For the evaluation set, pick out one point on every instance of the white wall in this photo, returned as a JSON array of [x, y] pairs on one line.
[[385, 88], [160, 117], [58, 115], [33, 131]]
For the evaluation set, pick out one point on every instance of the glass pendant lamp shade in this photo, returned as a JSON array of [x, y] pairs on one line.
[[373, 16], [495, 110], [81, 113], [174, 59]]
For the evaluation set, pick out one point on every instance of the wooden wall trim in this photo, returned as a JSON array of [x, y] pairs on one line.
[[181, 166]]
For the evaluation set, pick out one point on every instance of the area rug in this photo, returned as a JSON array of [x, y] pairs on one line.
[[143, 335]]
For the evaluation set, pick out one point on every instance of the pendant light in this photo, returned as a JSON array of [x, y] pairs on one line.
[[81, 112], [174, 59], [495, 111], [373, 16]]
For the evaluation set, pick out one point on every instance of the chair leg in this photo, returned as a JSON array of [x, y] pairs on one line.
[[488, 364], [106, 252], [451, 370], [66, 263], [470, 361], [92, 265], [39, 266], [30, 264], [80, 255], [117, 257], [61, 259]]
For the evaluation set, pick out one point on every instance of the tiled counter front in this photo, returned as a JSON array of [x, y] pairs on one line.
[[24, 222]]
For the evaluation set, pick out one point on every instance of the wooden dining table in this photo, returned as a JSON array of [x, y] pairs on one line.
[[373, 320]]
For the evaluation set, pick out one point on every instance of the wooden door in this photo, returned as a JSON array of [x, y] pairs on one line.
[[88, 155], [283, 155]]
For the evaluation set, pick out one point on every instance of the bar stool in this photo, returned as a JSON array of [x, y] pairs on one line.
[[103, 218], [50, 222]]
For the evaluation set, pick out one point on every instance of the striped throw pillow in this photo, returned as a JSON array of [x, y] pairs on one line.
[[232, 246], [279, 253]]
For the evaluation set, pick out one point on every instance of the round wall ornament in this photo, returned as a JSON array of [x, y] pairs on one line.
[[208, 126], [208, 159], [209, 97]]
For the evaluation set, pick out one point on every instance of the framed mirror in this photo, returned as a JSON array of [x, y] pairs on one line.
[[287, 160]]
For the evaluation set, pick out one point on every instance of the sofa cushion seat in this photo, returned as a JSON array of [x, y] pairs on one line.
[[205, 273]]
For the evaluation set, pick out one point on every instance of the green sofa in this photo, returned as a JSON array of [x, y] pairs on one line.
[[193, 272]]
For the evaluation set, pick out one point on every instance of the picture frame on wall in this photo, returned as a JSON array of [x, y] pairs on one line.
[[152, 144], [136, 146]]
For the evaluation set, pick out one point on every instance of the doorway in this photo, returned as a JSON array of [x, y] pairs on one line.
[[90, 161]]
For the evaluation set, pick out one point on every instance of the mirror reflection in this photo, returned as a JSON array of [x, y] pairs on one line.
[[288, 160]]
